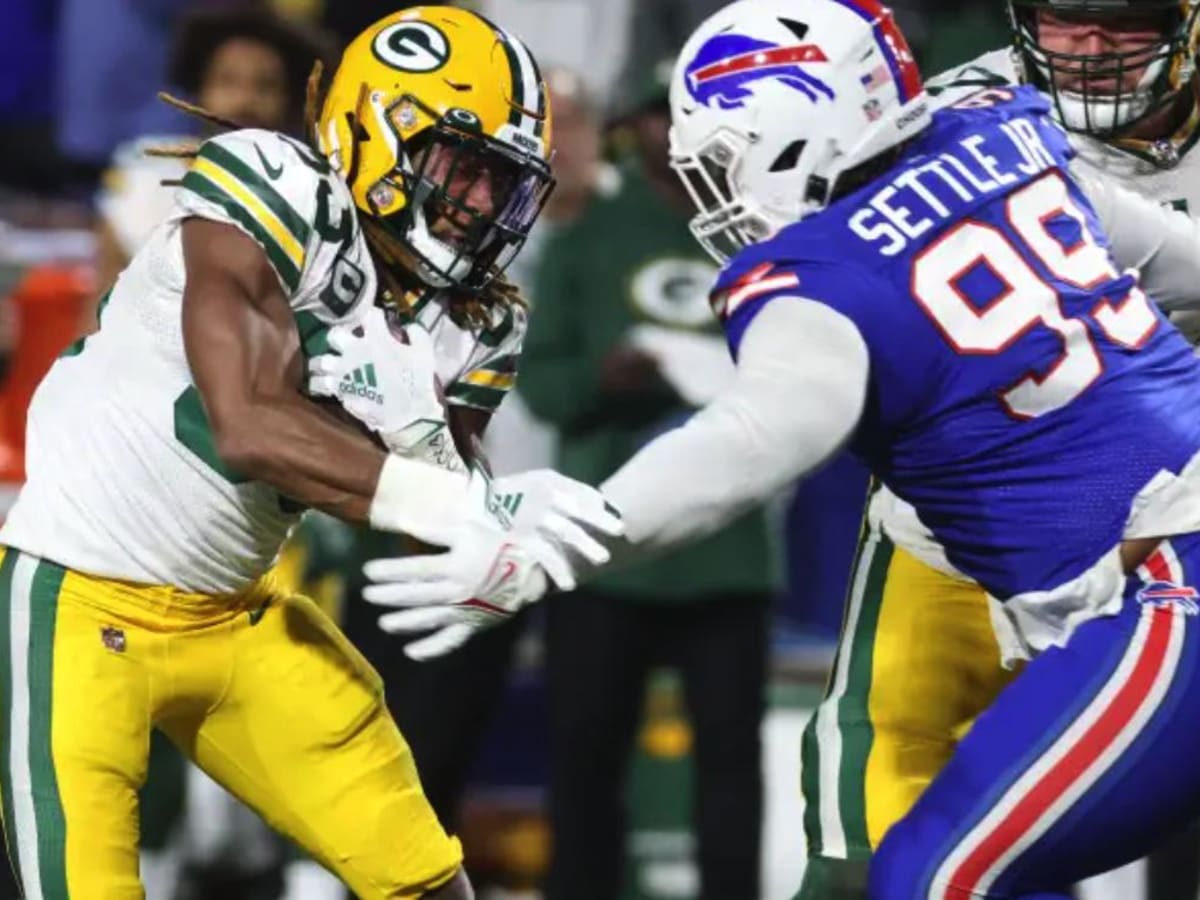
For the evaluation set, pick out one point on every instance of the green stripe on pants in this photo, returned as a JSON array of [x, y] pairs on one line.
[[51, 823], [837, 740], [37, 822], [6, 684]]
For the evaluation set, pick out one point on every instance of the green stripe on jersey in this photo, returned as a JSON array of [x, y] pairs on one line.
[[496, 335], [484, 398], [287, 270], [260, 187]]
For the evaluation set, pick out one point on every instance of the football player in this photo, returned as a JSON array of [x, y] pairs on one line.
[[1122, 81], [171, 452], [941, 294]]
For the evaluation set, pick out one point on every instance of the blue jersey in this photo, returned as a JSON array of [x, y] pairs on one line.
[[1022, 389]]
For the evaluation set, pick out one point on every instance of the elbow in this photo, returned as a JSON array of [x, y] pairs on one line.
[[239, 446]]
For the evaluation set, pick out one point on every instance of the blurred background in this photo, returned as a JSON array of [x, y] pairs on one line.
[[642, 736]]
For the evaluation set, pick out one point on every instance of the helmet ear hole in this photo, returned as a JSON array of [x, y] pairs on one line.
[[788, 159]]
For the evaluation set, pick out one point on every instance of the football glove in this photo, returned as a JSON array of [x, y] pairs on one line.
[[521, 533], [388, 385]]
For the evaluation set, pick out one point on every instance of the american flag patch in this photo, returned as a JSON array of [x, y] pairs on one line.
[[755, 283], [876, 78]]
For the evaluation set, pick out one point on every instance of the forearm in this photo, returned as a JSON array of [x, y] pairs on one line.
[[303, 452], [310, 457], [795, 399]]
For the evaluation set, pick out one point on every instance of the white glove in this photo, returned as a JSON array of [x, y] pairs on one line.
[[520, 532], [388, 385]]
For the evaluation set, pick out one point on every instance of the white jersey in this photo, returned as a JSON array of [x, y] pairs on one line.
[[123, 480]]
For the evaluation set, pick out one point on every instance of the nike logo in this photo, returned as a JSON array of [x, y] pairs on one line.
[[273, 172]]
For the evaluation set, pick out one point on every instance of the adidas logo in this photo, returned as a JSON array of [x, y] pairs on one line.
[[505, 505], [362, 383]]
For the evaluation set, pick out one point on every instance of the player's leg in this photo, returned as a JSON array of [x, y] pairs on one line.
[[597, 649], [1085, 762], [917, 661], [302, 736], [443, 706], [722, 653], [75, 687]]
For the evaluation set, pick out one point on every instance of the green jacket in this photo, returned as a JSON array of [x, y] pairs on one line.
[[629, 259]]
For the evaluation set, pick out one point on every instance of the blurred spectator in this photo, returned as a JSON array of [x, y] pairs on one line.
[[621, 347], [956, 33], [588, 36], [112, 57], [244, 66], [657, 31], [515, 439]]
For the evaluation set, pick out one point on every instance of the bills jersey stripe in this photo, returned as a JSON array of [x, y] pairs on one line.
[[1162, 565], [1073, 764], [724, 305], [892, 45]]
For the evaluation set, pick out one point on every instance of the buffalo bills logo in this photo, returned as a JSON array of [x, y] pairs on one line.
[[1164, 594], [728, 65]]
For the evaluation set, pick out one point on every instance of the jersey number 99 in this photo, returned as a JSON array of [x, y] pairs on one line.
[[1028, 301]]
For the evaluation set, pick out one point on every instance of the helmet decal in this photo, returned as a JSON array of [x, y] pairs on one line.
[[438, 122], [727, 65], [773, 102], [412, 47], [892, 42]]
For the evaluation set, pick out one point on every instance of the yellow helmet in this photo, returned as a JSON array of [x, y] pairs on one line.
[[439, 122]]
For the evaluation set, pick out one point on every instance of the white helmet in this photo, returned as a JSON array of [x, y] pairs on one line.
[[772, 101]]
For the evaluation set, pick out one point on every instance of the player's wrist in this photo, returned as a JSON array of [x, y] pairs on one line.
[[420, 499]]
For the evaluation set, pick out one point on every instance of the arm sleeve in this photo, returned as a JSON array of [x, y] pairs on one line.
[[796, 397], [1162, 243]]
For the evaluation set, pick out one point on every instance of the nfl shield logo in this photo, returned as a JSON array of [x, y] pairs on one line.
[[113, 639]]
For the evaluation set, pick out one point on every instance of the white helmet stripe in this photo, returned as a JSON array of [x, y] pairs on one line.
[[531, 85]]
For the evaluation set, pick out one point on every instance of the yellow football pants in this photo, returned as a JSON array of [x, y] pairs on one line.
[[917, 662], [260, 689]]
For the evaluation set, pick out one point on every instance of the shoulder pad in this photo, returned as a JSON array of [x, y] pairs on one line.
[[265, 183]]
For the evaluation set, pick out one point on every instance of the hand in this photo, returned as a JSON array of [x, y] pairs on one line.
[[389, 384], [519, 530]]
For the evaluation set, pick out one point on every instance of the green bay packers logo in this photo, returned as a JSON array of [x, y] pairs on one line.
[[412, 47], [674, 291]]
